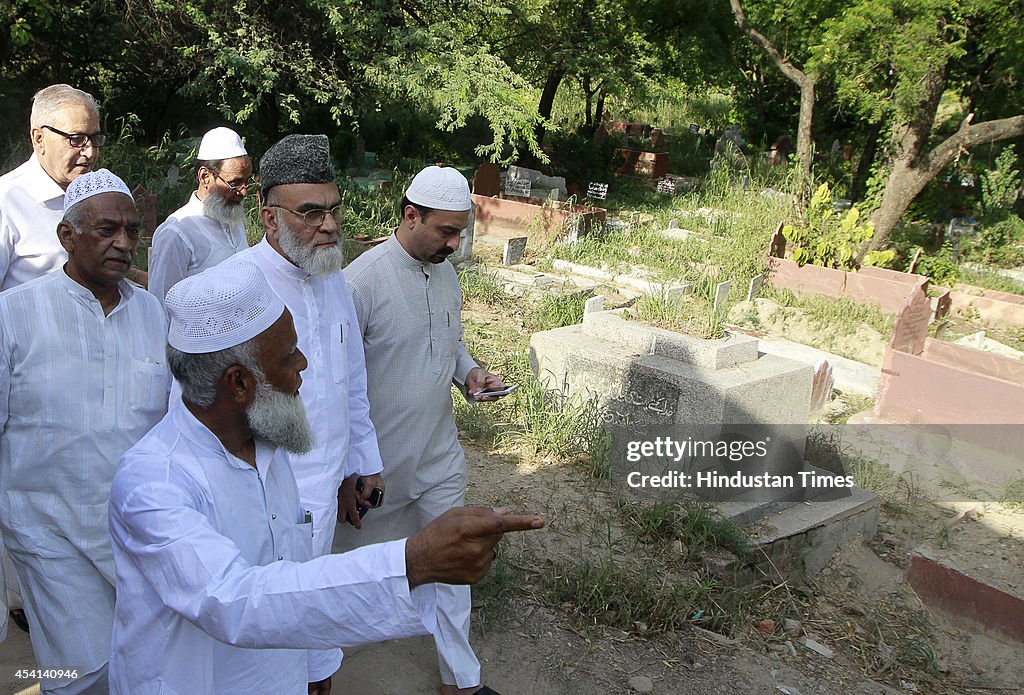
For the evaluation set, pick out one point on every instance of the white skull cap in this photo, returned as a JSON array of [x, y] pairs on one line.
[[221, 143], [220, 308], [440, 188], [93, 183]]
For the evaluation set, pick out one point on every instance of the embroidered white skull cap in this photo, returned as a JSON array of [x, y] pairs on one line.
[[93, 183], [220, 308], [440, 188], [221, 143]]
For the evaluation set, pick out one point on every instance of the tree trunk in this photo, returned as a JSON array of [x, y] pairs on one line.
[[804, 81], [867, 159], [910, 171], [547, 99]]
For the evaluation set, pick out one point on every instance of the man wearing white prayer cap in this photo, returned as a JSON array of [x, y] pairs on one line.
[[216, 588], [301, 257], [210, 227], [409, 306], [82, 378]]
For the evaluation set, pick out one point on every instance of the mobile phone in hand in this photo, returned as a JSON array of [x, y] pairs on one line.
[[496, 392]]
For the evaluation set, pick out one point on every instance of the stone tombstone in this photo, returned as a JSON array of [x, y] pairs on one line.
[[821, 385], [595, 303], [465, 251], [721, 297], [667, 186], [597, 191], [514, 250], [487, 180], [777, 246], [518, 187], [911, 326], [755, 287], [694, 128]]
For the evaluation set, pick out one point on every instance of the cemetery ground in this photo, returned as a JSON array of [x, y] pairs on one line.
[[616, 598]]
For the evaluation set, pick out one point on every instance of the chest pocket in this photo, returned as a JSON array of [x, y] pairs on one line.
[[149, 386], [296, 541], [445, 332], [341, 333]]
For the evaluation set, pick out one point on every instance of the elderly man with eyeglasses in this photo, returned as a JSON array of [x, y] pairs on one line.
[[301, 257], [210, 227], [66, 141]]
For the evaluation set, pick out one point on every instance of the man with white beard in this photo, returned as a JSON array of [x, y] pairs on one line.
[[216, 588], [301, 257], [210, 227]]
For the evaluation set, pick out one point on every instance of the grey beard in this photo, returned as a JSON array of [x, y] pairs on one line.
[[317, 263], [218, 210], [280, 419]]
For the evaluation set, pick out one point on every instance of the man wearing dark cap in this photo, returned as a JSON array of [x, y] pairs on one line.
[[216, 589], [301, 257], [409, 306]]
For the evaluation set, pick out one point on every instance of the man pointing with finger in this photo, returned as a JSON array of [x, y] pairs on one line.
[[216, 591]]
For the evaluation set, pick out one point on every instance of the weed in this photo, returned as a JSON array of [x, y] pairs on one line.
[[989, 280], [557, 310], [479, 285], [691, 314], [632, 599], [697, 526], [1013, 493]]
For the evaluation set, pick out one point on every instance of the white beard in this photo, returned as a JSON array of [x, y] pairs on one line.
[[320, 263], [280, 419], [218, 210]]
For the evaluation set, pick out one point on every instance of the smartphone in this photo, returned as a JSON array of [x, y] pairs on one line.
[[496, 393], [376, 497]]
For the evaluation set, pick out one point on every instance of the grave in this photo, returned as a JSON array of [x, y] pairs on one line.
[[501, 217], [543, 186], [889, 290], [643, 376], [487, 180], [641, 163]]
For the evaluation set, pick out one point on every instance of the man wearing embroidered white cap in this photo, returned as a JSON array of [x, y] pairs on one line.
[[82, 378], [210, 227], [409, 306], [216, 588]]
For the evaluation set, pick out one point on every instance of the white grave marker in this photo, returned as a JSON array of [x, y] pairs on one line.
[[518, 187], [755, 288], [721, 297], [595, 303], [694, 128], [597, 191], [514, 250], [667, 186]]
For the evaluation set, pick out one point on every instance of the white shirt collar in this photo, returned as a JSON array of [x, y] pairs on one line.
[[39, 184]]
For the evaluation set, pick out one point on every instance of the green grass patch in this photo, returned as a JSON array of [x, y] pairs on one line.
[[638, 599], [697, 526], [989, 280], [1013, 494]]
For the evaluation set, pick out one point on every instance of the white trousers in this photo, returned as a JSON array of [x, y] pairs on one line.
[[457, 662], [69, 602]]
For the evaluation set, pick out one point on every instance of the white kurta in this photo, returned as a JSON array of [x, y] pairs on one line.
[[333, 385], [77, 389], [31, 207], [189, 242], [410, 317], [212, 552]]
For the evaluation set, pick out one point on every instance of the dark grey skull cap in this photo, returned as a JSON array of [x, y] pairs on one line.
[[296, 159]]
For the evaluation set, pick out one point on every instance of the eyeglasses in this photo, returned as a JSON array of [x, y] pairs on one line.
[[80, 140], [237, 188], [315, 218]]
